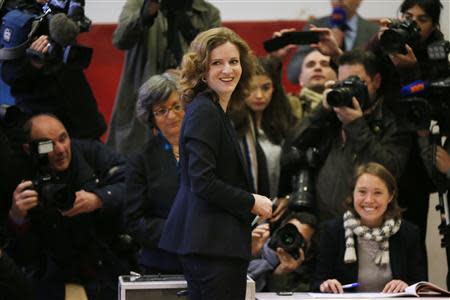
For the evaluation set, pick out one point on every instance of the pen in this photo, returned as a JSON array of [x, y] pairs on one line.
[[350, 285]]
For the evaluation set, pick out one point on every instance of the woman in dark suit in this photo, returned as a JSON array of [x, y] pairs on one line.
[[370, 244], [153, 173], [209, 224]]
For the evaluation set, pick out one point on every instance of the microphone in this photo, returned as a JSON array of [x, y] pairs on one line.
[[63, 30], [338, 16], [413, 88]]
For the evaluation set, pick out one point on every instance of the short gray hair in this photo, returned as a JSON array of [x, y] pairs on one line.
[[154, 91]]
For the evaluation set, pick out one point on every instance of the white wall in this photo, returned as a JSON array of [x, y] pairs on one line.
[[107, 11]]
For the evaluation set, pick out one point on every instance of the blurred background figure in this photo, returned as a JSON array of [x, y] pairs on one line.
[[154, 35], [349, 28], [152, 177]]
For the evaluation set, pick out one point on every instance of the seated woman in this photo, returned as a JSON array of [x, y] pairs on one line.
[[370, 244], [153, 174]]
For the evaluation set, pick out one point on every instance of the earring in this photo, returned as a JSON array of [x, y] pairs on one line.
[[204, 79]]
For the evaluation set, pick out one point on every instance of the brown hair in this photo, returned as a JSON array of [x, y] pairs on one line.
[[195, 64], [393, 210]]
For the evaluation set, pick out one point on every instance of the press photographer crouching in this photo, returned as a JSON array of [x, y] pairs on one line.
[[285, 256], [65, 220], [43, 64]]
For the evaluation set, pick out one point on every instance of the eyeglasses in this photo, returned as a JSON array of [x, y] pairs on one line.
[[163, 112]]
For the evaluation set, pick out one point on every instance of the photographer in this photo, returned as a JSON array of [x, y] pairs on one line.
[[65, 220], [284, 261], [346, 135], [154, 35], [42, 83]]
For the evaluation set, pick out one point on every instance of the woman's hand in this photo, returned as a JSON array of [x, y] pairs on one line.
[[262, 207], [331, 286], [395, 286], [259, 236]]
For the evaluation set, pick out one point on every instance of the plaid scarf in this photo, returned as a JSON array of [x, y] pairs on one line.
[[381, 235]]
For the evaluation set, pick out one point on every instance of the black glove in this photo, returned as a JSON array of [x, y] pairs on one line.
[[146, 18]]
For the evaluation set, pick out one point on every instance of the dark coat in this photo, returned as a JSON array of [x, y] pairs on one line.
[[407, 260], [85, 240], [152, 182], [211, 213]]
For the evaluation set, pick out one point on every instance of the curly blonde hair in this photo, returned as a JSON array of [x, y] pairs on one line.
[[195, 64]]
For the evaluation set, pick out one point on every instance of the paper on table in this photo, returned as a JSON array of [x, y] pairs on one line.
[[352, 295]]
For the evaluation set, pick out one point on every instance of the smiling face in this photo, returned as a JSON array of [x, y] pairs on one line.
[[261, 93], [224, 70], [371, 199], [424, 21]]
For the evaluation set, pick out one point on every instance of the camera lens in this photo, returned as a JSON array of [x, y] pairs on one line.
[[340, 97]]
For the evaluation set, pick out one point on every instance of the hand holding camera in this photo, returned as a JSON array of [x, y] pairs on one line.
[[288, 264], [24, 199], [85, 202]]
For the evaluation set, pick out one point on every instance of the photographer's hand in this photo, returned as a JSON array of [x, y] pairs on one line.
[[281, 207], [85, 202], [24, 199], [404, 60], [347, 114], [288, 264], [41, 45], [442, 160], [283, 52], [259, 236], [328, 45]]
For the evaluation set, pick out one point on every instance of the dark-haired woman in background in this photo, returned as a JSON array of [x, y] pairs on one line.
[[153, 174]]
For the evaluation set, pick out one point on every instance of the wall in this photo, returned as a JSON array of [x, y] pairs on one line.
[[107, 11]]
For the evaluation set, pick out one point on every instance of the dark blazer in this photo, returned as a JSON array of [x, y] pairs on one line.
[[211, 213], [152, 183], [406, 256], [366, 29]]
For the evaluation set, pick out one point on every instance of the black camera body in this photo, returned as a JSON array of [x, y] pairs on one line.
[[289, 239], [399, 33], [51, 193], [342, 93], [303, 196], [430, 100], [62, 25]]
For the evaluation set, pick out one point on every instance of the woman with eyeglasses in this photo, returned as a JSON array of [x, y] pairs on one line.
[[153, 174]]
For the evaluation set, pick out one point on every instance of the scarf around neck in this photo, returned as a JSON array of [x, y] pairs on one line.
[[352, 226]]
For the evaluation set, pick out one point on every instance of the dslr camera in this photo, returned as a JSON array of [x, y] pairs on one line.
[[342, 93], [399, 33], [429, 100], [52, 194], [63, 29], [289, 239]]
